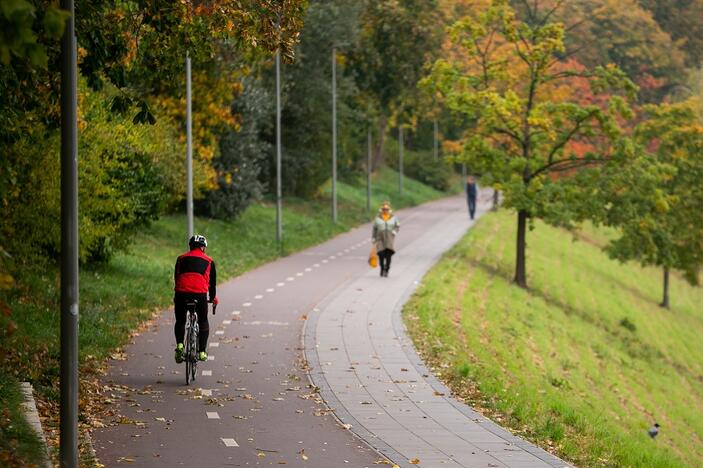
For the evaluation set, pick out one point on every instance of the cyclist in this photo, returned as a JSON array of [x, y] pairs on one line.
[[195, 278]]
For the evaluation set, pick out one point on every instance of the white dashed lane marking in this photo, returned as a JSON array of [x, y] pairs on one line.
[[220, 332], [308, 269], [317, 265], [212, 415], [280, 284], [230, 442], [211, 358], [299, 274], [272, 322], [226, 322], [246, 304], [214, 345], [325, 261], [258, 296], [206, 392], [207, 373], [270, 290], [290, 278]]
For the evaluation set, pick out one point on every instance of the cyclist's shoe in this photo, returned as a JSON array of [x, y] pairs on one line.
[[202, 356], [179, 353]]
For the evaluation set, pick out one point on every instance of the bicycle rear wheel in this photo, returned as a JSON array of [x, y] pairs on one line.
[[188, 352]]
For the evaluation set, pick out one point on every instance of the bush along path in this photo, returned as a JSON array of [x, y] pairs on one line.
[[584, 362], [119, 297]]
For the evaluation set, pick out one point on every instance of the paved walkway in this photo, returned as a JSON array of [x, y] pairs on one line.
[[252, 403], [370, 375]]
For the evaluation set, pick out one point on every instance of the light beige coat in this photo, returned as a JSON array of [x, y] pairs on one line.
[[384, 232]]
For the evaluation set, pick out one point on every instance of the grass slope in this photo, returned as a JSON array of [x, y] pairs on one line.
[[583, 363], [118, 296]]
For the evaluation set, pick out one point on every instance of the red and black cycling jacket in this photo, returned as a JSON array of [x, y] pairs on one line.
[[195, 273]]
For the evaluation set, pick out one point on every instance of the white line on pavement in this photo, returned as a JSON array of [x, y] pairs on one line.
[[207, 373], [220, 332], [258, 296], [214, 345], [269, 290], [271, 322], [212, 415], [206, 391], [229, 442], [280, 284], [246, 304], [211, 358]]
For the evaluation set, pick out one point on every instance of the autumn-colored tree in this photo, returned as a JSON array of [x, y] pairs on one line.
[[621, 32], [654, 195], [682, 21], [506, 76]]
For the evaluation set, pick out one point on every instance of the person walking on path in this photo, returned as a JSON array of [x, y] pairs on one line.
[[471, 193], [195, 277], [385, 228]]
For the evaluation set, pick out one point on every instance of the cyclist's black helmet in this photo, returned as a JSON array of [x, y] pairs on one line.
[[197, 241]]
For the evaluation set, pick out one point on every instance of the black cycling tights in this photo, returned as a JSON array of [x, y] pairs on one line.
[[179, 328]]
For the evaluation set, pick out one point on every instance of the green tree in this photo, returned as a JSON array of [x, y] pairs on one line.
[[654, 197], [529, 111], [397, 39]]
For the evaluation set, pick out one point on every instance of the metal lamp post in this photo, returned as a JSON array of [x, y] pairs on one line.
[[334, 135], [189, 149], [400, 159], [279, 196], [69, 244]]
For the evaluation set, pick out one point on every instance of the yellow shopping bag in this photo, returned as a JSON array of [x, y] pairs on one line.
[[373, 257]]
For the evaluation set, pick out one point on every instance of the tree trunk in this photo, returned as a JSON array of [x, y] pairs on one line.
[[520, 267], [496, 199], [665, 297]]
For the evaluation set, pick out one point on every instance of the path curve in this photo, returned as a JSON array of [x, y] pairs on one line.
[[371, 376], [252, 404]]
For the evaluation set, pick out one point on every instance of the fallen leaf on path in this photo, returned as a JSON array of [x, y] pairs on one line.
[[302, 454], [415, 461]]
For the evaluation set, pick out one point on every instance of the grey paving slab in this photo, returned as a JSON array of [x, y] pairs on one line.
[[370, 374]]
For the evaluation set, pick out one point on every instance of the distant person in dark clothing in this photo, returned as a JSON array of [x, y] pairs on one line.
[[471, 193]]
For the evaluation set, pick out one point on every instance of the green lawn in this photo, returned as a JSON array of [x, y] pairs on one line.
[[116, 297], [584, 362]]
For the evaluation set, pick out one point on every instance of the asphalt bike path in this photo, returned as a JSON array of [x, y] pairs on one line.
[[369, 373], [253, 404]]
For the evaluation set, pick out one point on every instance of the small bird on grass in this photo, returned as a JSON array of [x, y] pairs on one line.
[[654, 431]]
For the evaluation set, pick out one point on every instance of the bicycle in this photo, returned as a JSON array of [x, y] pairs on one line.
[[191, 339]]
